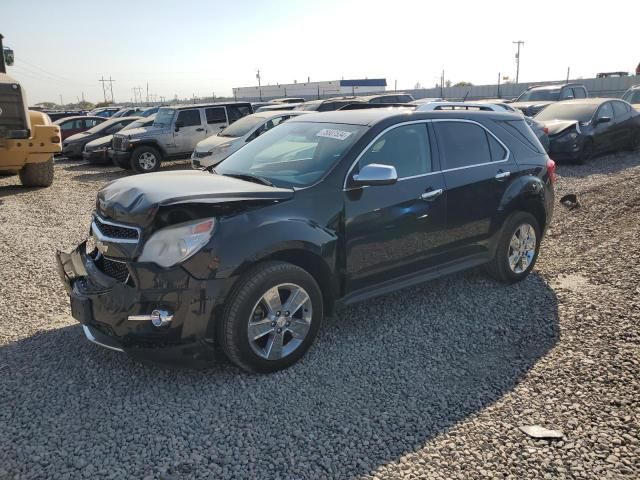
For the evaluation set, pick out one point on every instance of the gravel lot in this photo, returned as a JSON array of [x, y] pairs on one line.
[[429, 383]]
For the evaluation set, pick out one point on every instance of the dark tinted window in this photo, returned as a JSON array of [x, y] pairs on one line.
[[236, 112], [462, 144], [406, 148], [404, 98], [522, 131], [497, 151], [578, 92], [189, 118], [566, 94], [620, 109], [216, 115]]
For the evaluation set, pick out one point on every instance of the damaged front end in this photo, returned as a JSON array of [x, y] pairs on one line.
[[146, 282]]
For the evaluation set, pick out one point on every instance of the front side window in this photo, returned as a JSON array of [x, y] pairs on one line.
[[406, 148], [189, 118], [463, 144], [296, 154], [605, 110]]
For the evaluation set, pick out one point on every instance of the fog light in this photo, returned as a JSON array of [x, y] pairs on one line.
[[161, 318]]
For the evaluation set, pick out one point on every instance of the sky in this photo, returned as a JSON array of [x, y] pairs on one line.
[[201, 48]]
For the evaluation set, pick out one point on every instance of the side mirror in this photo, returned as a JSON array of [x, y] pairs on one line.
[[179, 125], [603, 120], [375, 174]]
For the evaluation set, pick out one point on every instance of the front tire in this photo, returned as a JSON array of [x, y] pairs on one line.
[[272, 317], [145, 159], [517, 249], [37, 174]]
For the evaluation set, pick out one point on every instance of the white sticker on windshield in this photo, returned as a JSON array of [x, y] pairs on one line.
[[333, 133]]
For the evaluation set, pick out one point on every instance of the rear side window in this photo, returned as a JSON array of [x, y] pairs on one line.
[[620, 109], [463, 144], [498, 152], [406, 148], [579, 92], [217, 115], [236, 112], [189, 118], [522, 131]]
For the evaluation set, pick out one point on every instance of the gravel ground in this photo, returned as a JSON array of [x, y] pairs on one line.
[[435, 386]]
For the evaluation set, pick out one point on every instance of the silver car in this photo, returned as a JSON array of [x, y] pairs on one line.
[[214, 149]]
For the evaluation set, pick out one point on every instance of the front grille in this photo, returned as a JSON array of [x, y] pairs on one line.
[[118, 142], [113, 268], [118, 232]]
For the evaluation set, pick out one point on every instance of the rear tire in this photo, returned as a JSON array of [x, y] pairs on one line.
[[146, 159], [37, 174], [279, 337], [519, 243]]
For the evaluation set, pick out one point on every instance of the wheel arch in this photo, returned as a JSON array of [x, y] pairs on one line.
[[150, 143]]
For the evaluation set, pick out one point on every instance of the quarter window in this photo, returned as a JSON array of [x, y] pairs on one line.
[[464, 144], [406, 148], [189, 118]]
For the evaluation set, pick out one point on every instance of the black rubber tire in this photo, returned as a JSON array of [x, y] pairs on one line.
[[586, 153], [37, 174], [232, 329], [135, 157], [499, 268], [124, 165]]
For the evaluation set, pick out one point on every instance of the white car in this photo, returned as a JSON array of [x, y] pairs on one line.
[[216, 148]]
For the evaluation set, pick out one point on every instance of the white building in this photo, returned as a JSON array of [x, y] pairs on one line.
[[311, 90]]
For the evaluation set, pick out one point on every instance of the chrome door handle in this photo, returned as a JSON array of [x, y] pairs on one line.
[[199, 129], [502, 175], [431, 195]]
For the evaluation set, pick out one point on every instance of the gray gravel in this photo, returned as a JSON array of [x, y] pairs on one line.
[[433, 382]]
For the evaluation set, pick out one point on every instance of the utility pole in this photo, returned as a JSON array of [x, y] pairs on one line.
[[518, 42], [259, 84], [111, 85], [568, 71], [147, 92], [61, 102], [104, 92], [3, 68], [442, 85], [395, 86]]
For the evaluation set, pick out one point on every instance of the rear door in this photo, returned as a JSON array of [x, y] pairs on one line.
[[216, 118], [188, 130], [395, 230], [623, 122], [477, 170]]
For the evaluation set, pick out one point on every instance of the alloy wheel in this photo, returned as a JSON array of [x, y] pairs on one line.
[[280, 321], [522, 248], [147, 161]]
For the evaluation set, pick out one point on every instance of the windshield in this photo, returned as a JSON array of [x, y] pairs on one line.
[[632, 96], [541, 95], [241, 127], [164, 117], [581, 112], [295, 154]]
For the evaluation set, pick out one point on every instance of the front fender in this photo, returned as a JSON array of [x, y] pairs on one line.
[[150, 142]]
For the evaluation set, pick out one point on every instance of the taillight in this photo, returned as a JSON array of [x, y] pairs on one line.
[[551, 170]]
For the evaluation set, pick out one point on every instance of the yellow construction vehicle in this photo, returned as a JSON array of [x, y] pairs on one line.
[[28, 139]]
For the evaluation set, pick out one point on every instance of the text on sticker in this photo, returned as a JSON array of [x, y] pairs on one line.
[[333, 133]]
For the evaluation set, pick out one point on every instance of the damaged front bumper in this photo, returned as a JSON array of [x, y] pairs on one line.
[[115, 312]]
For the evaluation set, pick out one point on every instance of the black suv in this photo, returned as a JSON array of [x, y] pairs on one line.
[[323, 211], [534, 99]]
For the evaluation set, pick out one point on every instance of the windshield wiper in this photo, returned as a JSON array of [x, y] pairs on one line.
[[249, 178]]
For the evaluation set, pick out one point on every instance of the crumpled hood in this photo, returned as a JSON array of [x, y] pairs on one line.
[[136, 199], [557, 126], [210, 142]]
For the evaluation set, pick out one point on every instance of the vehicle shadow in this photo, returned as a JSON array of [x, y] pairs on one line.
[[604, 164], [101, 173], [383, 379]]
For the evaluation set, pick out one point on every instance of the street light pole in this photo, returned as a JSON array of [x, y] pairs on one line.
[[518, 42]]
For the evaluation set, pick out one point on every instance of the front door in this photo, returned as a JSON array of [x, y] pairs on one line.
[[395, 230], [189, 130], [604, 133], [477, 171]]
